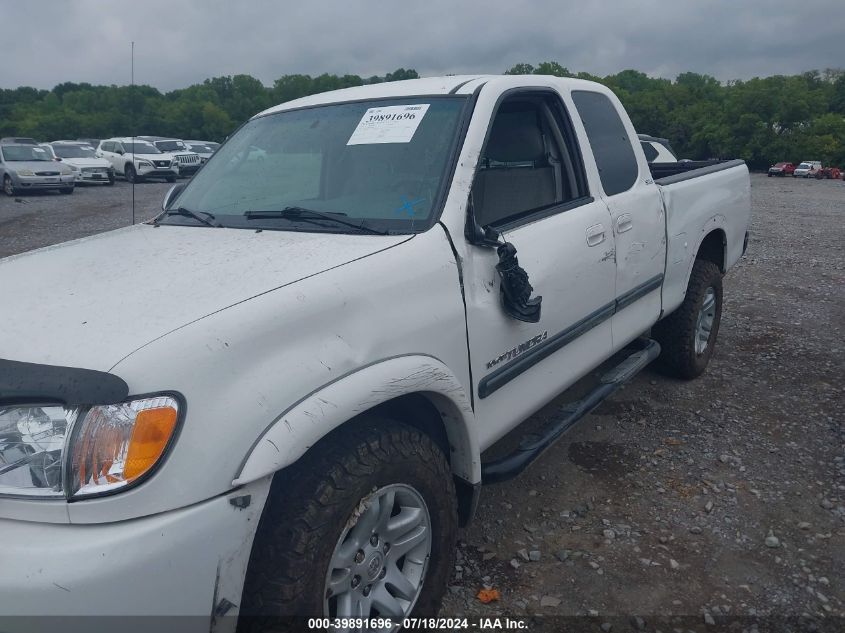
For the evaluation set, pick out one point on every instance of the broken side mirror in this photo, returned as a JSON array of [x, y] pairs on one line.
[[515, 288]]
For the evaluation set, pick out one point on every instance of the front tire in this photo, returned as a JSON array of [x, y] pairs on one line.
[[688, 335], [171, 178], [8, 187], [130, 174], [365, 524]]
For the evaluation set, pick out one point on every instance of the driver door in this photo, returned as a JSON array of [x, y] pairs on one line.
[[531, 188]]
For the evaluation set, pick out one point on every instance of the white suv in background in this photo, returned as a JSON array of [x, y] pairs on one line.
[[137, 160], [83, 161], [187, 160]]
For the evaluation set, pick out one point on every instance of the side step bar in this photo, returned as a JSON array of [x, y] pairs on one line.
[[533, 445]]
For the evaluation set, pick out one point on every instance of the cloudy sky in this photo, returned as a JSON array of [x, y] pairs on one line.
[[185, 41]]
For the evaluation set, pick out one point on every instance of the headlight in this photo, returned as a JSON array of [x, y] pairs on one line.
[[51, 451], [144, 163], [73, 167], [32, 442], [26, 172]]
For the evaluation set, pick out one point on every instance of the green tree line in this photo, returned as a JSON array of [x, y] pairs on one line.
[[762, 120], [208, 111]]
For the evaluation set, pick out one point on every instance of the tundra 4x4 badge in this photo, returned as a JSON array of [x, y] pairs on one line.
[[519, 349]]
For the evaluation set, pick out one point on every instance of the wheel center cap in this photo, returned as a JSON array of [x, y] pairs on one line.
[[375, 565]]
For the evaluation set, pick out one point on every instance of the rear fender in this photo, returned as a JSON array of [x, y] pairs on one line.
[[296, 430]]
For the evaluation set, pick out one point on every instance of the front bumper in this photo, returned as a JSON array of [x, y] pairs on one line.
[[180, 563], [99, 176], [28, 183], [157, 172], [189, 169]]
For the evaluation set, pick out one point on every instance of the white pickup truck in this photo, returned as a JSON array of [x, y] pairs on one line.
[[275, 398]]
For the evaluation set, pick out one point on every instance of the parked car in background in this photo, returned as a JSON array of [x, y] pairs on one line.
[[829, 173], [807, 169], [781, 169], [138, 160], [83, 161], [203, 148], [25, 167], [18, 140], [657, 150], [93, 142], [214, 146], [189, 162]]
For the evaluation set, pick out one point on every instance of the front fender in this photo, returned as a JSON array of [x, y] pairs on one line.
[[296, 430]]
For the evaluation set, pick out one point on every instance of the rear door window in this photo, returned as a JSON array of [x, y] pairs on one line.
[[612, 148]]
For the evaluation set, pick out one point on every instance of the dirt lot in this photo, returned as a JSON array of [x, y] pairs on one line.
[[35, 220], [676, 505]]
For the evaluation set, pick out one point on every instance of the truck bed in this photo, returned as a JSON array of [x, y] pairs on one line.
[[668, 173], [699, 196]]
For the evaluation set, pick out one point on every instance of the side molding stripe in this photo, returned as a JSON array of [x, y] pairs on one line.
[[623, 301], [503, 375]]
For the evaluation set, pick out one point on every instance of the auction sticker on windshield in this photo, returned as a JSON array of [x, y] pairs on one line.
[[389, 124]]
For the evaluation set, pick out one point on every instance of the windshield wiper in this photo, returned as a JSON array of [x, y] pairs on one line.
[[310, 214], [205, 218]]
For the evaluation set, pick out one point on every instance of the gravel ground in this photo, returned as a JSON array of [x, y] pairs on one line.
[[676, 505], [40, 219]]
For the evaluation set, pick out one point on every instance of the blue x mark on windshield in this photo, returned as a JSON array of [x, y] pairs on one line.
[[408, 205]]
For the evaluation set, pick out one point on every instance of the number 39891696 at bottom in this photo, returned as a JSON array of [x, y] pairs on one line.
[[409, 624]]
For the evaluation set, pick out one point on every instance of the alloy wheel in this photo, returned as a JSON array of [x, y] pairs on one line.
[[380, 560]]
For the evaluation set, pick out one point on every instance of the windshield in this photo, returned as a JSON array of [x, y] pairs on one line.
[[74, 151], [169, 146], [804, 166], [379, 163], [14, 153], [140, 148], [200, 149]]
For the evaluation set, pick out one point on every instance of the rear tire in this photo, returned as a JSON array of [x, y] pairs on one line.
[[315, 508], [687, 337]]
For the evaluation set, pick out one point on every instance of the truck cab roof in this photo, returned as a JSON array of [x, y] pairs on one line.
[[447, 85]]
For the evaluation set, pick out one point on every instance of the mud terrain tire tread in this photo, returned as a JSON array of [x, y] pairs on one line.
[[676, 333], [311, 501]]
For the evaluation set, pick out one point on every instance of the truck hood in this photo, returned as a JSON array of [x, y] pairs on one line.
[[91, 302]]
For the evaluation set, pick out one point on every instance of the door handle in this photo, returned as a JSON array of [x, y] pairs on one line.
[[595, 235], [624, 223]]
